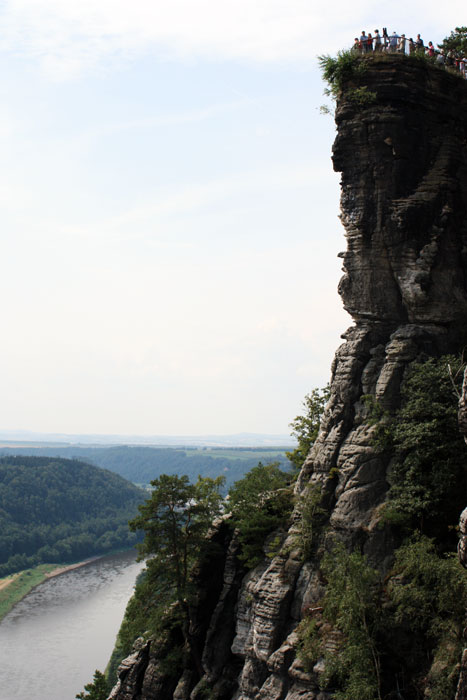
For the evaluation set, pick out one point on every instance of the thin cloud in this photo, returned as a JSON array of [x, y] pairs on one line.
[[176, 201], [68, 37], [187, 117]]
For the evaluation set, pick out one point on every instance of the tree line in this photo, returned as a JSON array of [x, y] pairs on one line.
[[142, 464]]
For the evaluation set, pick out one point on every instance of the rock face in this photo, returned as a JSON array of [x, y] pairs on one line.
[[403, 160], [462, 418]]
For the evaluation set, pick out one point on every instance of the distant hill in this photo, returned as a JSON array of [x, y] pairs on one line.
[[59, 510], [141, 464], [264, 440]]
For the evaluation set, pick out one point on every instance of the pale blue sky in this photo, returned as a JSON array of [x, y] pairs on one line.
[[169, 210]]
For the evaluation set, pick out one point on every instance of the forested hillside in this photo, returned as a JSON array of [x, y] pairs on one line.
[[143, 464], [59, 510]]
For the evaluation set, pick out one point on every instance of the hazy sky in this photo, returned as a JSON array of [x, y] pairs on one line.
[[169, 223]]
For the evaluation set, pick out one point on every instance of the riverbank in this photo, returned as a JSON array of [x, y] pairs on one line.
[[14, 587], [69, 567], [65, 629]]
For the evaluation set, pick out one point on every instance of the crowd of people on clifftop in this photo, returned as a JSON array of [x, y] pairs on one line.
[[398, 43]]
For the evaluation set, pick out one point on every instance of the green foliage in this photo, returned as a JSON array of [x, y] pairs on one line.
[[57, 510], [427, 475], [431, 588], [362, 96], [175, 521], [305, 428], [260, 503], [376, 415], [143, 615], [147, 615], [351, 606], [312, 516], [336, 71], [97, 690], [456, 41], [339, 71], [370, 635], [429, 593], [311, 643]]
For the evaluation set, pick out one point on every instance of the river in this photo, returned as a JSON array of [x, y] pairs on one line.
[[54, 639]]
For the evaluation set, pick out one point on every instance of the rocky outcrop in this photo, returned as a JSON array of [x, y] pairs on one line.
[[462, 546], [403, 160]]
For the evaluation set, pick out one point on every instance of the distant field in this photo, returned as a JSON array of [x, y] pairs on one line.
[[240, 453]]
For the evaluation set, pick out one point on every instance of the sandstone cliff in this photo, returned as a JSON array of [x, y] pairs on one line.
[[403, 160]]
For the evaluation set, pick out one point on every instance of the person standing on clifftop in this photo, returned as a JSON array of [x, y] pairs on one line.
[[401, 45], [385, 38], [462, 66], [364, 42], [393, 42], [419, 46], [377, 41]]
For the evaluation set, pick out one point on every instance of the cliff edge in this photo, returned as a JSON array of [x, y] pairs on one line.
[[403, 159]]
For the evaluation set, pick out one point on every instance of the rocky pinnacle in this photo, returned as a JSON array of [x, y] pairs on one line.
[[403, 160]]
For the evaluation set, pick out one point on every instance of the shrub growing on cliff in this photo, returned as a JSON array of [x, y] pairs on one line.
[[305, 428], [427, 598], [346, 635], [339, 69], [362, 96], [428, 474], [260, 503], [376, 636], [312, 516]]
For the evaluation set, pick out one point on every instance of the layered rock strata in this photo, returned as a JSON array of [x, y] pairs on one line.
[[462, 546], [403, 159]]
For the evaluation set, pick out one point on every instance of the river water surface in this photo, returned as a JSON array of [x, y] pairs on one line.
[[54, 639]]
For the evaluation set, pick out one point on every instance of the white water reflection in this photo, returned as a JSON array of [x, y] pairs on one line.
[[54, 639]]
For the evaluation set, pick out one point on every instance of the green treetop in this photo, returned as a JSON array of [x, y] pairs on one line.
[[175, 521], [97, 690], [456, 41], [306, 427], [259, 503]]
